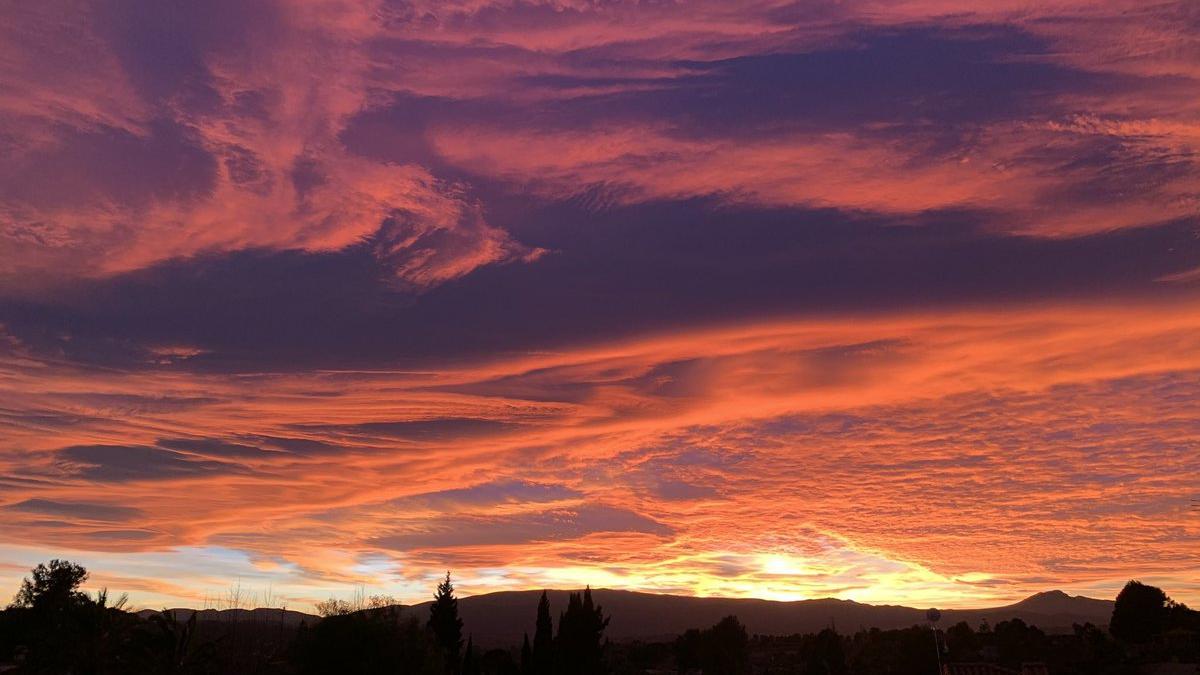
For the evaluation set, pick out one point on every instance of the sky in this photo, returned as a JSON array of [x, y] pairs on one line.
[[896, 302]]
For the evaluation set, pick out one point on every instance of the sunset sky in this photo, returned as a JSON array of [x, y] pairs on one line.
[[895, 301]]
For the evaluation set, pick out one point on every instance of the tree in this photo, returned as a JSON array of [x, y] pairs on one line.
[[1140, 613], [470, 664], [1095, 646], [687, 650], [526, 657], [498, 662], [446, 626], [962, 643], [60, 628], [725, 648], [368, 642], [1017, 642], [825, 655], [174, 648], [334, 607], [579, 646], [543, 639], [53, 587]]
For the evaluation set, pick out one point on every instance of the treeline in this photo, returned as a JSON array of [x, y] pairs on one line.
[[53, 627], [383, 639], [1147, 628]]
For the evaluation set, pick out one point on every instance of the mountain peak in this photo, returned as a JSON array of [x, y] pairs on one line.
[[1051, 595], [1059, 602]]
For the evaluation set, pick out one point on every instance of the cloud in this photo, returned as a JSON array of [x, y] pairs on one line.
[[1021, 176], [488, 494], [115, 463], [213, 149], [887, 300], [292, 311], [546, 526], [214, 448], [1015, 431], [1184, 277], [76, 510], [211, 146]]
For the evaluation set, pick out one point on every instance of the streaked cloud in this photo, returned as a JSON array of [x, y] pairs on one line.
[[1018, 431], [892, 301]]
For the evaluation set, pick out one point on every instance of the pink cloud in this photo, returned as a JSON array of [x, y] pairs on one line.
[[277, 113]]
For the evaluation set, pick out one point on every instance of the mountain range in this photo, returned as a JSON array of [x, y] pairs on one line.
[[502, 619]]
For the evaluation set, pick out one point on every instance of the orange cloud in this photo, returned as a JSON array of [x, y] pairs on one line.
[[955, 456], [1024, 174]]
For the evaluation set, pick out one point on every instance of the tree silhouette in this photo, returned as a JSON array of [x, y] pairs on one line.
[[826, 655], [543, 639], [470, 665], [498, 661], [1140, 613], [61, 628], [526, 656], [687, 650], [723, 649], [727, 648], [1018, 642], [962, 643], [368, 642], [446, 626], [176, 647], [53, 587], [53, 627], [579, 646]]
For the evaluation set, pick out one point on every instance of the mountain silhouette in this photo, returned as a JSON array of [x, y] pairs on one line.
[[1058, 602], [503, 618], [286, 617]]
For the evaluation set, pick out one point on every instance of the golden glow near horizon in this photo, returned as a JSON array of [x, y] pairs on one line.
[[895, 302]]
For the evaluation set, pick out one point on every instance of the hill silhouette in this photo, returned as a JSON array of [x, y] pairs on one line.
[[52, 626], [502, 618], [286, 617], [1051, 603]]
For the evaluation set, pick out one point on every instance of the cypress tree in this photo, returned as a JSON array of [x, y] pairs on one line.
[[446, 626], [526, 657], [470, 664], [543, 639], [580, 645]]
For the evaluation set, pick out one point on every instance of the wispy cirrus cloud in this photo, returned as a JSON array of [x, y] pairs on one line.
[[207, 145], [198, 142]]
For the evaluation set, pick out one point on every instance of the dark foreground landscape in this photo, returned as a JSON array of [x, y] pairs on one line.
[[52, 626]]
